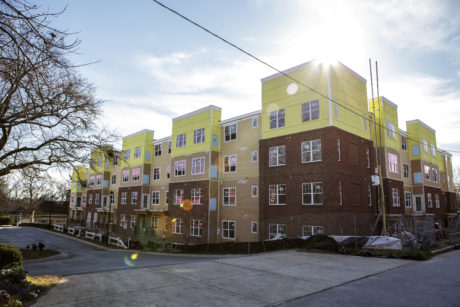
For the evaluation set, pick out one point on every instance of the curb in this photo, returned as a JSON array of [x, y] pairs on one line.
[[445, 249]]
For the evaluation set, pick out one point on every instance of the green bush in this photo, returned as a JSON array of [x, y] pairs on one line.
[[5, 220], [10, 256]]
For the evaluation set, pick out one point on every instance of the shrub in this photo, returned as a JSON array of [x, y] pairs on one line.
[[10, 256], [34, 247], [5, 220], [41, 246]]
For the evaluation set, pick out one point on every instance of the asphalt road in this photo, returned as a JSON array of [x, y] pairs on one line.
[[435, 282], [79, 257]]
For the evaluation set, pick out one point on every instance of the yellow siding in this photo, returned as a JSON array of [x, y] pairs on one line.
[[385, 112], [144, 140], [417, 133]]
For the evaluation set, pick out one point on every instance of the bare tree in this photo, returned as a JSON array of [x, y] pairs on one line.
[[48, 112]]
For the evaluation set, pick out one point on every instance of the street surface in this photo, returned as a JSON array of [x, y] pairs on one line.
[[79, 257]]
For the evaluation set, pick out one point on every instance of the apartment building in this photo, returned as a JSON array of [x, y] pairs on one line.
[[302, 165]]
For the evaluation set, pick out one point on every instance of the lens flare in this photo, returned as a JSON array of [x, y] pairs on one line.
[[134, 256], [186, 205], [129, 260]]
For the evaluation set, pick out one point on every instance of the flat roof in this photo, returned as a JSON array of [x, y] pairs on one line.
[[161, 140], [418, 121], [386, 100], [138, 132], [210, 107]]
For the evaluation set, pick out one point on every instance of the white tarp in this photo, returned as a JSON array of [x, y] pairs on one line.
[[383, 242]]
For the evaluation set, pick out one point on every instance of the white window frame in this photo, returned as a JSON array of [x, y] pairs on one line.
[[256, 226], [198, 166], [196, 228], [403, 143], [433, 150], [393, 167], [124, 198], [114, 179], [135, 177], [198, 136], [132, 221], [255, 122], [311, 230], [279, 229], [178, 195], [229, 134], [391, 130], [155, 220], [125, 178], [408, 199], [275, 158], [436, 200], [177, 225], [180, 172], [156, 174], [396, 195], [308, 154], [181, 140], [227, 196], [197, 196], [434, 175], [98, 180], [425, 146], [96, 199], [255, 191], [277, 119], [307, 109], [155, 198], [427, 172], [122, 220], [274, 194], [158, 148], [254, 156], [406, 172], [134, 197], [226, 229], [127, 154], [230, 164], [429, 200], [137, 152], [312, 186]]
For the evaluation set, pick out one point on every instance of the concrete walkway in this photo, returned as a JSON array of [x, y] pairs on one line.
[[257, 280]]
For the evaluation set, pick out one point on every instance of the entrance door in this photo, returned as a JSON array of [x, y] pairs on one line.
[[419, 204]]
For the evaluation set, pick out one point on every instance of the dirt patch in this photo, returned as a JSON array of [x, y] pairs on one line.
[[30, 254]]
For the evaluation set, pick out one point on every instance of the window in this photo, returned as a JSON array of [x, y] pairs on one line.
[[434, 175], [396, 198], [254, 227], [83, 199], [115, 160], [310, 110], [408, 199], [122, 220], [254, 191], [132, 221], [198, 136], [136, 174], [90, 199], [277, 119], [427, 172], [137, 152], [430, 200], [96, 199], [124, 197], [254, 122], [277, 230], [391, 129], [230, 164], [198, 166], [277, 155], [312, 193], [91, 181], [168, 172], [365, 122], [230, 196], [166, 198], [197, 196], [100, 162], [230, 132], [196, 228], [369, 194], [98, 179], [145, 201], [179, 168], [404, 143], [311, 151], [368, 158], [126, 154], [155, 197], [156, 173], [277, 194], [133, 198], [169, 147], [155, 222], [157, 150], [254, 156], [339, 154], [425, 146], [125, 176], [340, 194], [114, 179], [72, 199], [406, 170], [112, 198], [392, 163], [228, 229], [433, 150], [178, 196], [436, 199], [177, 225], [308, 230], [181, 140]]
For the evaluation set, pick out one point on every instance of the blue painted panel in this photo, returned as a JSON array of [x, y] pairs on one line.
[[106, 184], [417, 177], [416, 150], [146, 179], [213, 171], [215, 140], [79, 187], [212, 204], [147, 155], [107, 165]]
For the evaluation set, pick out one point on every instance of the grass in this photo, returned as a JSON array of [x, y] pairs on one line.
[[45, 281], [30, 254]]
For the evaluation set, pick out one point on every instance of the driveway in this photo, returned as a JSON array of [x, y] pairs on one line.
[[80, 257], [257, 280]]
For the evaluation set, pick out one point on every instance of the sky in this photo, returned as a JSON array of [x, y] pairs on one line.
[[151, 66]]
